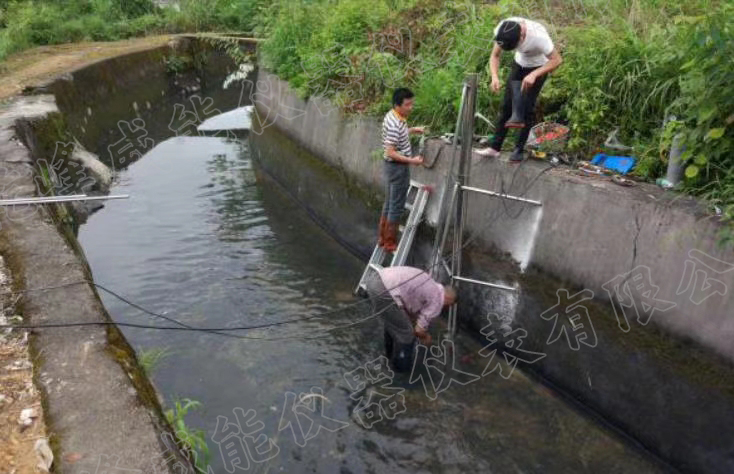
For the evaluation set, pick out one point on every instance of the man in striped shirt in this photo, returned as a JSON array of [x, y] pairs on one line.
[[396, 142]]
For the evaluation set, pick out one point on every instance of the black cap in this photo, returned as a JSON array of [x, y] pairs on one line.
[[508, 35]]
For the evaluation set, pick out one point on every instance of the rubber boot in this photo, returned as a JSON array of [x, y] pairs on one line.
[[517, 120], [391, 237], [402, 357], [389, 345], [382, 231]]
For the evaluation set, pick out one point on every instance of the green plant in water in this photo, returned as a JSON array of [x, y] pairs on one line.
[[192, 440], [150, 359]]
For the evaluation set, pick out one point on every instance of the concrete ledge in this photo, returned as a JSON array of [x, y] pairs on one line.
[[99, 406]]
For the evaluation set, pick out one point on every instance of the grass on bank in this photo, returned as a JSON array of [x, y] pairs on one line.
[[627, 63], [28, 23], [192, 440]]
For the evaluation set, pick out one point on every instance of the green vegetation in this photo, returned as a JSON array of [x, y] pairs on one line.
[[627, 63], [151, 358], [28, 23], [193, 441]]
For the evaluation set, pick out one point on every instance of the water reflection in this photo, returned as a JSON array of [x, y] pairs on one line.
[[214, 242]]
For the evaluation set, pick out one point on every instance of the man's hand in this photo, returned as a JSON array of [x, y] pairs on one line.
[[496, 84], [417, 130], [417, 160], [422, 336], [528, 82]]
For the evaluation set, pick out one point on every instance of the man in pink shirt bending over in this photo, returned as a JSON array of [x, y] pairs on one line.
[[407, 300]]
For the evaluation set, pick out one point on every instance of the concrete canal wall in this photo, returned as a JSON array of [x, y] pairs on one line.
[[99, 405], [589, 235]]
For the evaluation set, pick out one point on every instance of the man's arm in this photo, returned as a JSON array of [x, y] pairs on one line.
[[554, 60], [393, 154], [428, 313], [494, 67]]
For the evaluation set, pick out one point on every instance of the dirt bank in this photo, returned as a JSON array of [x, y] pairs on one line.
[[38, 65], [18, 394]]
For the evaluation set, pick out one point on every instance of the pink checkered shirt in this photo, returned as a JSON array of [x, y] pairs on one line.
[[414, 291]]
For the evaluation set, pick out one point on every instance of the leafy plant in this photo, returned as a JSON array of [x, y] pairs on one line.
[[192, 440], [176, 64], [151, 358], [705, 108]]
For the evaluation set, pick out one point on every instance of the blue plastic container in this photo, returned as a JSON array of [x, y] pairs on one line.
[[620, 164]]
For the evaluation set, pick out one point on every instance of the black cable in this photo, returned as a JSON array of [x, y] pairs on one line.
[[184, 327], [225, 330], [490, 220]]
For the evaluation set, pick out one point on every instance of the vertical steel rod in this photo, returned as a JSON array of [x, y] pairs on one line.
[[444, 231], [467, 137], [444, 219]]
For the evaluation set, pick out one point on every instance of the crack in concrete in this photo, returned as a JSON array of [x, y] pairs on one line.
[[634, 251], [634, 242]]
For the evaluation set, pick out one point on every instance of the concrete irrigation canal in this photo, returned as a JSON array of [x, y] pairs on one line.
[[208, 322]]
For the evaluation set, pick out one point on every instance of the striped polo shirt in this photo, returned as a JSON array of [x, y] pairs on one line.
[[395, 134]]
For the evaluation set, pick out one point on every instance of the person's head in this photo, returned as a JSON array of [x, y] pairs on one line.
[[508, 35], [449, 295], [402, 101]]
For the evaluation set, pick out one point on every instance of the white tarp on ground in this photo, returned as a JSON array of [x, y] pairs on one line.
[[237, 119]]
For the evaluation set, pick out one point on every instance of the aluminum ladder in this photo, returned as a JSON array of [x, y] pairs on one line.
[[416, 205]]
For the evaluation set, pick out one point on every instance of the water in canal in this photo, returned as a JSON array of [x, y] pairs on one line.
[[211, 241]]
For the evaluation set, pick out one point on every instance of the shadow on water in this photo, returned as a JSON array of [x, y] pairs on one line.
[[214, 241]]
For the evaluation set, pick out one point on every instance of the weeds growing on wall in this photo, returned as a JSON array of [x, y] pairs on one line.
[[150, 359]]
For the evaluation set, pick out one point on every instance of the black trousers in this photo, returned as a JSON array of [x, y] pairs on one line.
[[530, 96], [399, 338]]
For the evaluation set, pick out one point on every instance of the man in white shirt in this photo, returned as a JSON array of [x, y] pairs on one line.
[[535, 57]]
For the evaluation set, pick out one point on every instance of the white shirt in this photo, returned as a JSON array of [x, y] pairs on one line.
[[534, 50]]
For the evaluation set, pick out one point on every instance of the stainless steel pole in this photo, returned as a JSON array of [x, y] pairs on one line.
[[502, 196], [444, 219], [58, 199], [467, 138]]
